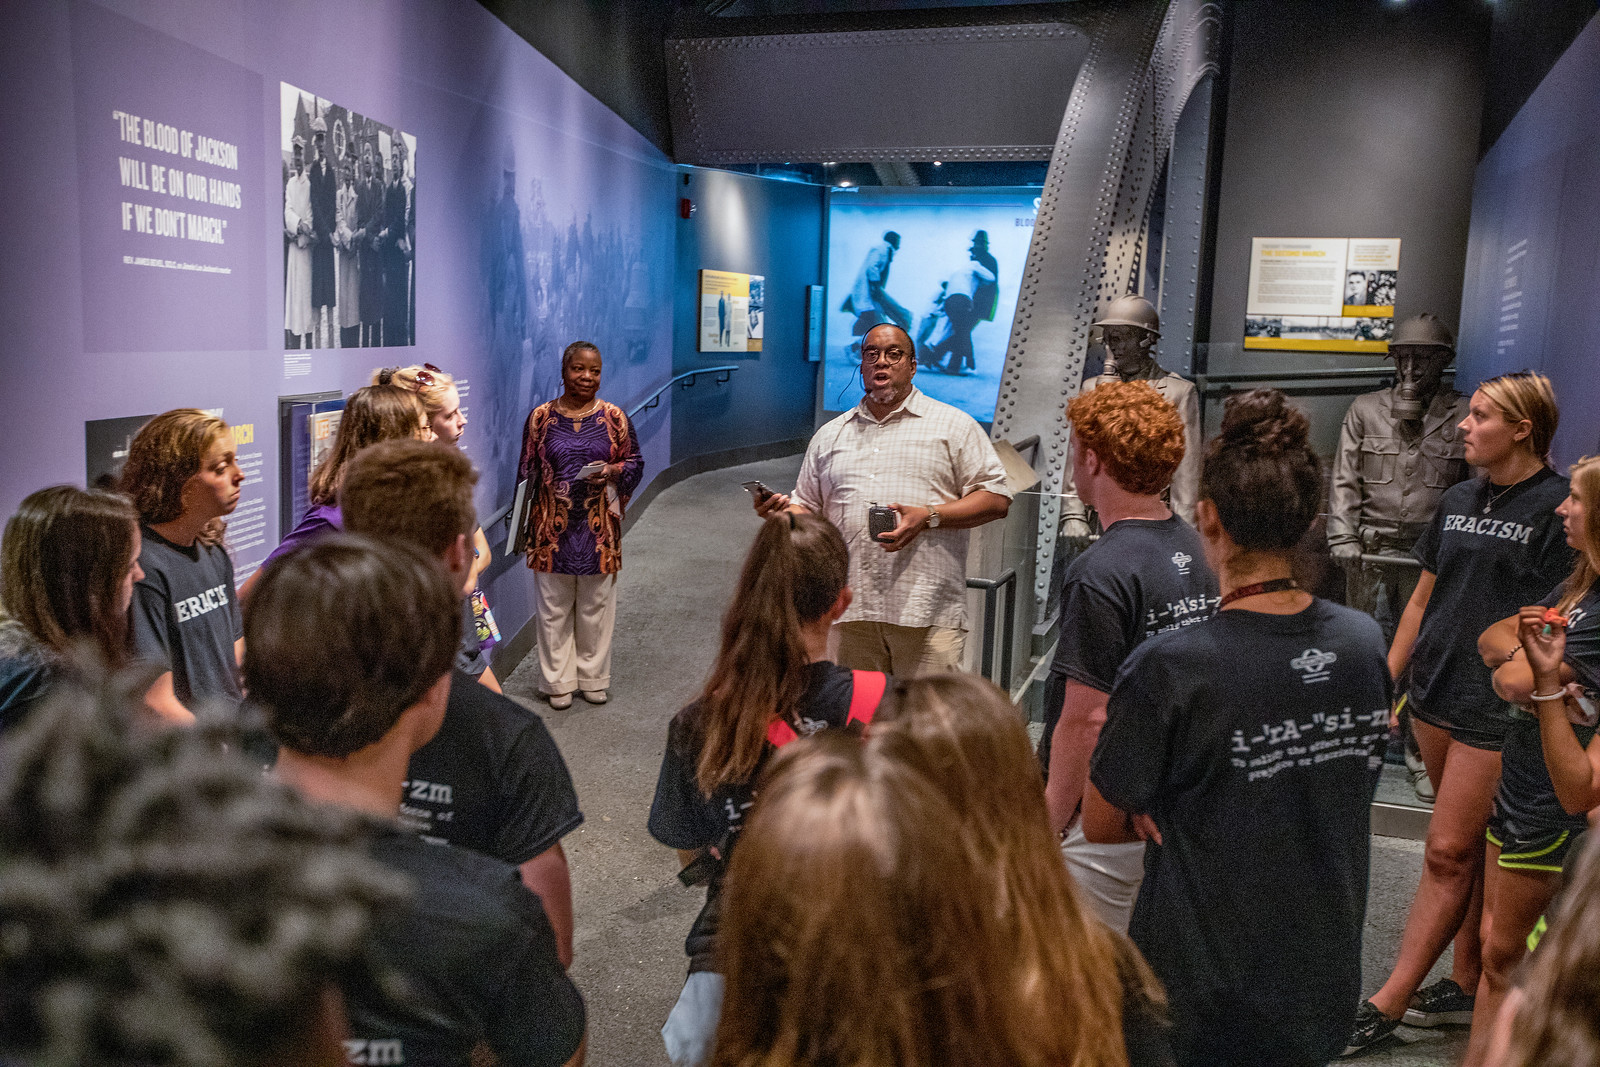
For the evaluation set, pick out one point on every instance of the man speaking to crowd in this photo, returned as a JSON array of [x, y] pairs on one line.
[[933, 465]]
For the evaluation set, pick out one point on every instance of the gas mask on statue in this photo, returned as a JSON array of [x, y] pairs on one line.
[[1418, 370], [1129, 351]]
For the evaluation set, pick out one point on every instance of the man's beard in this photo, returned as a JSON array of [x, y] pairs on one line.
[[883, 394]]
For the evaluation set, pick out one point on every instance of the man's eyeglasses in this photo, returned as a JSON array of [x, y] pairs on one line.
[[891, 357]]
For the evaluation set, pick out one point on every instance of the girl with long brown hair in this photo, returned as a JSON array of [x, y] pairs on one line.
[[67, 567], [860, 928], [372, 414], [1079, 992], [1548, 658], [772, 681]]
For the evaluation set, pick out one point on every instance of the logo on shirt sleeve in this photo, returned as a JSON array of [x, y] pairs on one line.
[[1181, 560], [1313, 665]]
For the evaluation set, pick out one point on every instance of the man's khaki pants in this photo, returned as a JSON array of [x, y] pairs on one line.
[[903, 651]]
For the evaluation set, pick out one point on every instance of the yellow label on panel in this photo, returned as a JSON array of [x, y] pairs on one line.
[[1297, 345], [1368, 311]]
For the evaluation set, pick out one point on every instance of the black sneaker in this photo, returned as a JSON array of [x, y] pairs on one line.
[[1371, 1027], [1443, 1003]]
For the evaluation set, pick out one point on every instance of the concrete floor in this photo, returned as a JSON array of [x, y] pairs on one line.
[[680, 563]]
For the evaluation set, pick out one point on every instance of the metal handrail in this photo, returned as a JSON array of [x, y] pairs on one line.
[[1391, 561], [687, 377], [991, 597], [1376, 371]]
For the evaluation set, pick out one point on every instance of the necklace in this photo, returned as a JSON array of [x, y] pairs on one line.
[[577, 419], [1274, 585], [1494, 496]]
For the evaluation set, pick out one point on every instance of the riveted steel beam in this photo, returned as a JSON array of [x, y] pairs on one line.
[[1144, 61]]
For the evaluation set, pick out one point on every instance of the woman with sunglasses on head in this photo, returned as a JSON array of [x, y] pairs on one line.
[[1245, 747], [1547, 664], [1081, 993], [1494, 544], [184, 478], [581, 460], [375, 413], [447, 421], [68, 563], [772, 681]]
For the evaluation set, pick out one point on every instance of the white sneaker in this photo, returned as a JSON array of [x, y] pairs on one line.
[[1417, 775], [560, 701]]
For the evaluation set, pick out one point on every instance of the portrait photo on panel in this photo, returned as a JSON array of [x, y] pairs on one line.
[[349, 227]]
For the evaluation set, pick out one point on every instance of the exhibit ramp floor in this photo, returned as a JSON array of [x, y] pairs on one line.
[[679, 565]]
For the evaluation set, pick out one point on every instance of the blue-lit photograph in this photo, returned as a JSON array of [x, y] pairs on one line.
[[944, 264]]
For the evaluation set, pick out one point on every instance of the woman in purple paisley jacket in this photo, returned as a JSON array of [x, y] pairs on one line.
[[581, 460]]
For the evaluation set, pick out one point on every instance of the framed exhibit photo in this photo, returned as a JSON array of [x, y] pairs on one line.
[[732, 307]]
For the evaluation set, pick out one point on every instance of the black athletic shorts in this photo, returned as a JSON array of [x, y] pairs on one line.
[[1486, 740], [1524, 849]]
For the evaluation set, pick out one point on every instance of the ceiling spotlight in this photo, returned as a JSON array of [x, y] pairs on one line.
[[844, 185], [938, 162], [831, 163]]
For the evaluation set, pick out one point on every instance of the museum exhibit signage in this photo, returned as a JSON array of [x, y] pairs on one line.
[[1322, 294]]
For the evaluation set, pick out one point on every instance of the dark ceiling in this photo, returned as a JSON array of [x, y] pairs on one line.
[[616, 49]]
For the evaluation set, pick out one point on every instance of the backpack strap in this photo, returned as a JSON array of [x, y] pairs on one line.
[[780, 733], [866, 696]]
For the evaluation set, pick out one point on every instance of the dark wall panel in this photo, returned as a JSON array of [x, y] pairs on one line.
[[1533, 268], [753, 226], [1350, 118], [1529, 36], [611, 49]]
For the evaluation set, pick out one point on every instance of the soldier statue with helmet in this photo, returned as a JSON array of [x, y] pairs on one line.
[[1129, 330], [1399, 449]]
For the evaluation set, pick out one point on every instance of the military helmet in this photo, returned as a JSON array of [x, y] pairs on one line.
[[1424, 329], [1131, 310]]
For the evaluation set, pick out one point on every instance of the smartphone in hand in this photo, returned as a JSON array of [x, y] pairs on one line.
[[759, 491], [881, 521]]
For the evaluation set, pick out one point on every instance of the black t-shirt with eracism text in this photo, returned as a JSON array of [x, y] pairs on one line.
[[185, 618], [492, 778], [1487, 564], [1141, 578], [1253, 741], [478, 961]]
